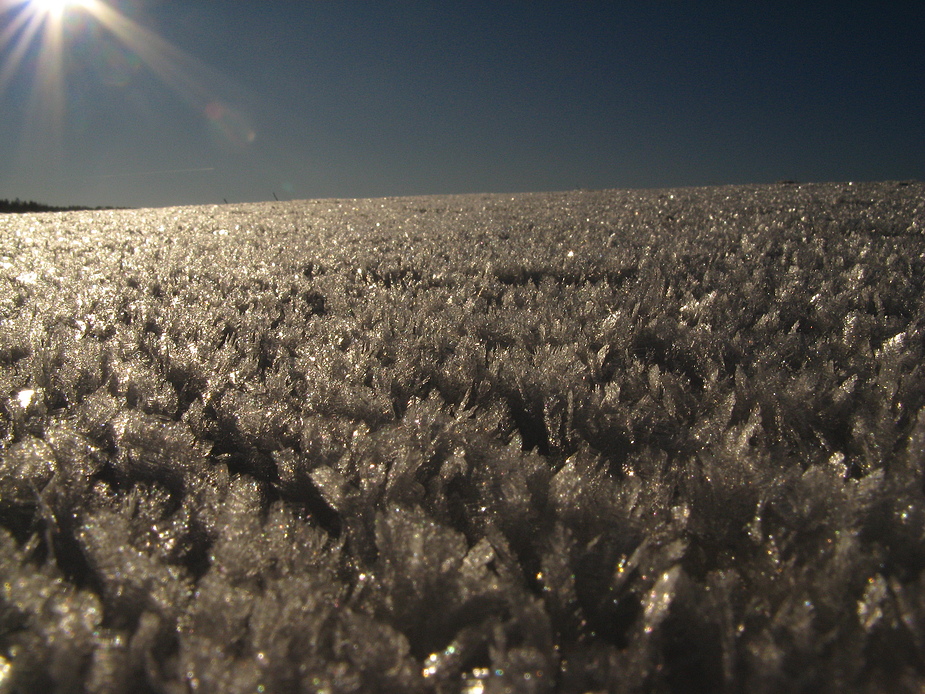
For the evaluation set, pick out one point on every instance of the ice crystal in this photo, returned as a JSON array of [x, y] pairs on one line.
[[595, 441]]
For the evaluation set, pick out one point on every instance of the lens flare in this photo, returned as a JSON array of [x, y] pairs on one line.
[[49, 6], [54, 7], [41, 24], [39, 33]]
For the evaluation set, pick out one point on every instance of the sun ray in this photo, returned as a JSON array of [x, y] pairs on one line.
[[174, 67], [27, 25], [50, 7], [39, 33], [37, 24], [189, 78], [50, 98]]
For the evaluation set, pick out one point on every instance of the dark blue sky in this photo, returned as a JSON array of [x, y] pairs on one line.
[[195, 101]]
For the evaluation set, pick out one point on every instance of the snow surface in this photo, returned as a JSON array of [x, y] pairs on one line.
[[664, 440]]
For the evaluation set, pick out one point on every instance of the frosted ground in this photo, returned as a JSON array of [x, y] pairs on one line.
[[664, 440]]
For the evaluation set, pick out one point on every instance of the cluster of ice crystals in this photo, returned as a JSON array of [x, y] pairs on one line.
[[611, 441]]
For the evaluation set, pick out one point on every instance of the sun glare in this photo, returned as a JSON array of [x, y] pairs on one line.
[[52, 7], [40, 32]]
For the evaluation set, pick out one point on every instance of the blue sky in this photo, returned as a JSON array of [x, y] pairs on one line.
[[169, 102]]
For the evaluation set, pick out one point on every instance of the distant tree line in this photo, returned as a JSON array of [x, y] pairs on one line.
[[18, 205]]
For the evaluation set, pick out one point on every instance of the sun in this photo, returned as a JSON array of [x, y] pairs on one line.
[[41, 33], [50, 6], [54, 8]]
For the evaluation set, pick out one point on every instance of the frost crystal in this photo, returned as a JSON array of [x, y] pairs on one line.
[[594, 441]]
